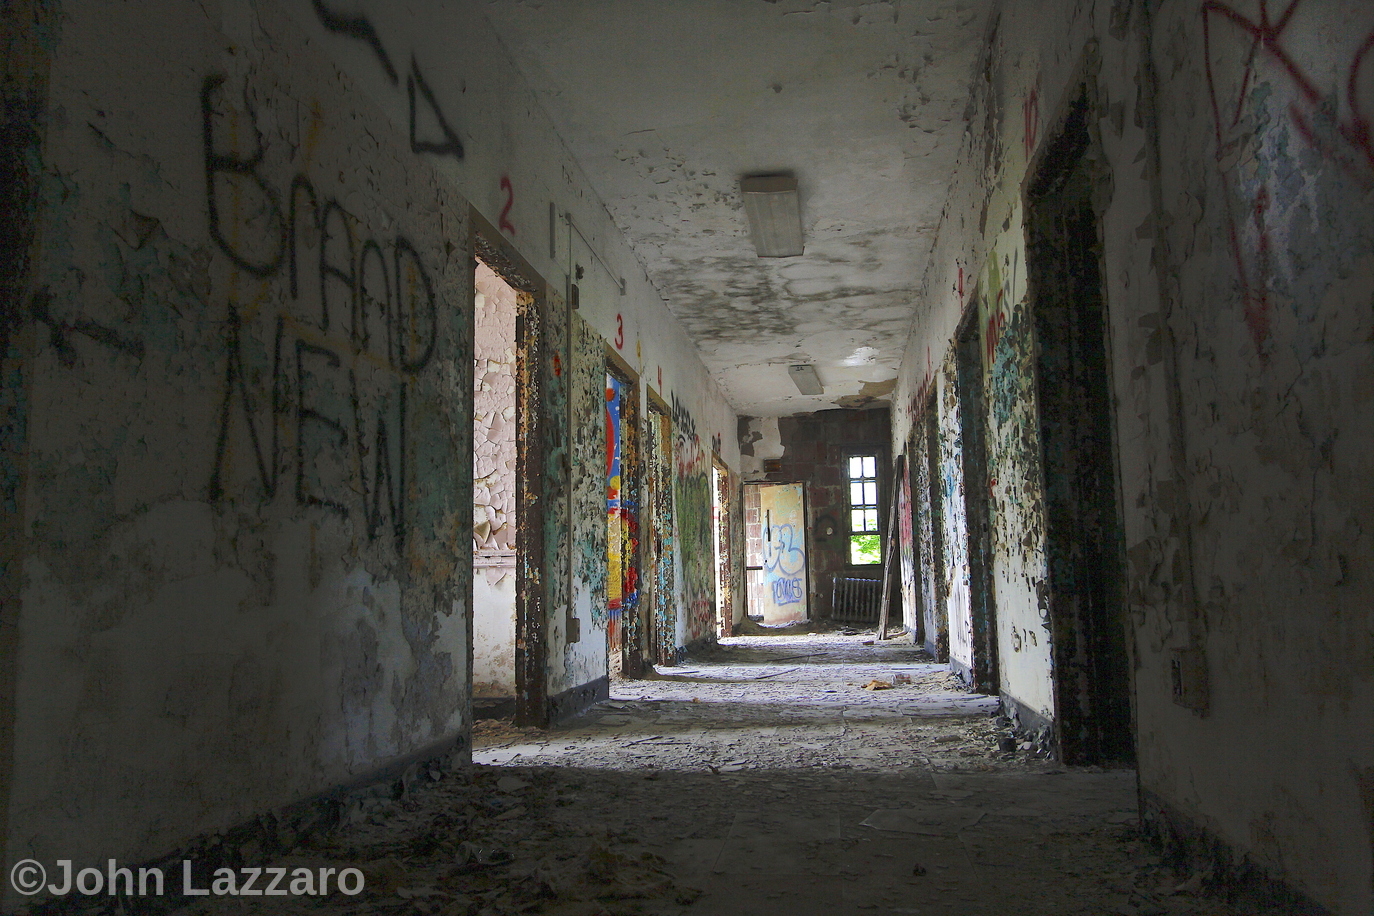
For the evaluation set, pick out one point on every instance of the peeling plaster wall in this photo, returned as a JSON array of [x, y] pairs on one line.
[[1238, 285], [493, 490], [954, 519], [247, 512]]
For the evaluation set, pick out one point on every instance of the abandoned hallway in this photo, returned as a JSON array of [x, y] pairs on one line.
[[690, 456]]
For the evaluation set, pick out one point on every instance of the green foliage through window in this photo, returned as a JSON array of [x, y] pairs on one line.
[[865, 549]]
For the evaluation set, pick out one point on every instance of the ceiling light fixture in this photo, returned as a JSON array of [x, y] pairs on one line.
[[805, 378], [774, 212]]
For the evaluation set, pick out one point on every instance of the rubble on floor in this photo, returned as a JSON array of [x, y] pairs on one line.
[[761, 777]]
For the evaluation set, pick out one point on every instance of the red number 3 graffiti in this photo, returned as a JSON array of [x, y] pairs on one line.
[[619, 331], [504, 223]]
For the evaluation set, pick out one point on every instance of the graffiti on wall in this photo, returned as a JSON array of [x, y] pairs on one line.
[[322, 412], [1336, 124], [692, 490], [556, 436], [423, 105], [954, 515], [660, 474], [1000, 290], [589, 468], [622, 515], [907, 544], [784, 565], [494, 446]]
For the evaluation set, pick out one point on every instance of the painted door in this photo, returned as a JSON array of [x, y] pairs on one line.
[[782, 512]]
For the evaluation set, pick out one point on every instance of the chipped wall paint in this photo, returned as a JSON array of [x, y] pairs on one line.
[[249, 502], [929, 531], [555, 443], [912, 616], [693, 513], [493, 486], [1238, 281], [585, 659], [953, 517], [660, 533]]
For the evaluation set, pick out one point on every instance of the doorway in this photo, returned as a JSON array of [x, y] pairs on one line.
[[722, 546], [626, 630], [973, 437], [928, 495], [1073, 385], [495, 304], [509, 652], [660, 609], [776, 552]]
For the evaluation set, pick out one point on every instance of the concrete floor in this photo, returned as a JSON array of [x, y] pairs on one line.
[[760, 778]]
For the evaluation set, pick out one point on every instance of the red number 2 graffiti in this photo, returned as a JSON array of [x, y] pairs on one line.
[[504, 223]]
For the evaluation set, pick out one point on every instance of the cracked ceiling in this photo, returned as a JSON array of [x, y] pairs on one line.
[[667, 105]]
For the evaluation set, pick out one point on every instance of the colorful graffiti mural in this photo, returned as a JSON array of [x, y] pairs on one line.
[[622, 517]]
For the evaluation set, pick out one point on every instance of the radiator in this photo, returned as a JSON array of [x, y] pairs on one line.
[[856, 600]]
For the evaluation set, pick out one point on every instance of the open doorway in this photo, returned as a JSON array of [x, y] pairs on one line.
[[928, 495], [660, 610], [775, 552], [495, 305], [972, 401], [508, 641], [722, 546], [1082, 520], [626, 633]]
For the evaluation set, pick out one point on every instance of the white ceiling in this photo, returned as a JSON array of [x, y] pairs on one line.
[[667, 103]]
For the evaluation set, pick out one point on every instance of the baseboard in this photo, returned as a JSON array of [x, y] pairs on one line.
[[576, 700], [271, 834], [1191, 849]]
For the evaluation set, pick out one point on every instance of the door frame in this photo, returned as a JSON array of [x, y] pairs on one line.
[[1091, 674], [723, 498], [531, 646], [765, 540], [633, 625], [656, 527], [972, 396]]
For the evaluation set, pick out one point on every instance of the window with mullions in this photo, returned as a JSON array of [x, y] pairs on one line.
[[865, 541]]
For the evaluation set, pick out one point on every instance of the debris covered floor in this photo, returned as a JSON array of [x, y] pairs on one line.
[[766, 776]]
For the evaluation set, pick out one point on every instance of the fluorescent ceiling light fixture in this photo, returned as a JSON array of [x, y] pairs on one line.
[[806, 379], [774, 213]]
